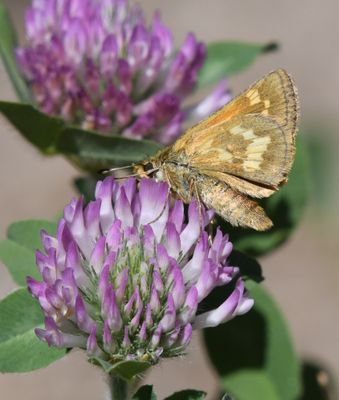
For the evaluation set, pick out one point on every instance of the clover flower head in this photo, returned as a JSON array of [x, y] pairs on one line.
[[124, 276], [99, 65]]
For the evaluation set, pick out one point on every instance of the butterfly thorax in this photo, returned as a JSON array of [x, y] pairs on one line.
[[180, 177], [173, 168]]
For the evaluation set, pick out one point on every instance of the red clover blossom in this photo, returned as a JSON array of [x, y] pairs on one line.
[[124, 276], [99, 65]]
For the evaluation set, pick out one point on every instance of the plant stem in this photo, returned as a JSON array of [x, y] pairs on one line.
[[118, 388]]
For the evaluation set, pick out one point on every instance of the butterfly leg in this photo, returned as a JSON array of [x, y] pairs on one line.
[[211, 229], [195, 192], [212, 223]]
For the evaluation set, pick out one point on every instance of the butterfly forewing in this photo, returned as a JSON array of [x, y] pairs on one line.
[[275, 96], [253, 147]]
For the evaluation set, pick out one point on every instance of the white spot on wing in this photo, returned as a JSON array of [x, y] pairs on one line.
[[255, 151], [259, 141], [246, 133], [253, 96], [236, 130], [249, 134], [267, 103], [254, 101], [251, 164], [225, 155]]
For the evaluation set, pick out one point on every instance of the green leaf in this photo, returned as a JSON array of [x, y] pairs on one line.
[[188, 394], [249, 266], [14, 319], [85, 185], [129, 369], [285, 208], [20, 349], [18, 251], [19, 260], [261, 350], [27, 233], [124, 369], [8, 44], [251, 385], [40, 129], [89, 150], [145, 393], [93, 151], [227, 58]]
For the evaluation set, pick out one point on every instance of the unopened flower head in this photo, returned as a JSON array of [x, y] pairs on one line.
[[99, 65], [124, 276]]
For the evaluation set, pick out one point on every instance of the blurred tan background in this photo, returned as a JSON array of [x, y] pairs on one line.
[[303, 275]]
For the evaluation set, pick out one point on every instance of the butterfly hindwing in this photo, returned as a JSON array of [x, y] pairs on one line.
[[233, 206], [241, 185]]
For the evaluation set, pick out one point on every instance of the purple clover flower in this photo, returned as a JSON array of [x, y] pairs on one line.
[[125, 275], [97, 64]]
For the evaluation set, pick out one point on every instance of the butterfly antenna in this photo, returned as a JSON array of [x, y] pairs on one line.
[[124, 177], [137, 175], [110, 170], [150, 171]]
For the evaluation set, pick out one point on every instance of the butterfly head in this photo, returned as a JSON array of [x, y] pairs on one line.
[[147, 168]]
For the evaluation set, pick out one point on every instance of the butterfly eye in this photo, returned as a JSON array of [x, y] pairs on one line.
[[148, 166]]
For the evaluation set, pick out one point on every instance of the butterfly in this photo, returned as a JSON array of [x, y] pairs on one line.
[[241, 153]]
